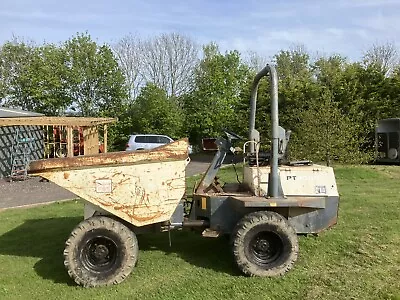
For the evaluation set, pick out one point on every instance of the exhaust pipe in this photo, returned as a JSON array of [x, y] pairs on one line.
[[273, 78]]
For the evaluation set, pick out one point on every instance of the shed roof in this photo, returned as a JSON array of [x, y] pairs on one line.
[[61, 121], [6, 112]]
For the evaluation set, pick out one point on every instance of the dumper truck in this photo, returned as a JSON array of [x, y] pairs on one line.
[[131, 193]]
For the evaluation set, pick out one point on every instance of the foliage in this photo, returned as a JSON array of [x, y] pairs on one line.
[[213, 104], [15, 58], [48, 81], [324, 133], [155, 112], [95, 82], [34, 77], [295, 90], [361, 93]]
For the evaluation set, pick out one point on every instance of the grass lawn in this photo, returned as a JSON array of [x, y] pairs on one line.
[[358, 259]]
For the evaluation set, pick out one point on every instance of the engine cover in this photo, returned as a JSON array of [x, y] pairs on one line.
[[303, 180]]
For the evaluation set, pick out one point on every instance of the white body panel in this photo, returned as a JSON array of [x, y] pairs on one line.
[[314, 180]]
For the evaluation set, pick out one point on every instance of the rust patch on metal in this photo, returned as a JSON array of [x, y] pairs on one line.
[[145, 219], [129, 210], [103, 203], [123, 180]]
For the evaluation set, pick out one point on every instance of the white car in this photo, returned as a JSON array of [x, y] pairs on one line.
[[146, 141], [149, 141]]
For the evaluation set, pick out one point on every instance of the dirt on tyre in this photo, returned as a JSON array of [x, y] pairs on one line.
[[100, 251], [264, 244]]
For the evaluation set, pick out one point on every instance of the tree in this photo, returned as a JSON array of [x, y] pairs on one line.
[[47, 81], [33, 77], [169, 61], [357, 91], [392, 87], [215, 102], [15, 58], [155, 112], [296, 87], [127, 52], [50, 78], [292, 64], [255, 61], [384, 56], [96, 85], [326, 134]]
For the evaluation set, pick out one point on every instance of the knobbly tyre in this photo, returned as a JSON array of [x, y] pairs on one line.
[[130, 193]]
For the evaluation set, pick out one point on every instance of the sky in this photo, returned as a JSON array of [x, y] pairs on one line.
[[324, 27]]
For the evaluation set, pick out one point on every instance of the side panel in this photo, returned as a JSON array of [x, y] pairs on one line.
[[223, 213], [140, 194], [308, 220], [218, 210], [312, 180]]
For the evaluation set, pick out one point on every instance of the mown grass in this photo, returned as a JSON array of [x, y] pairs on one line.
[[358, 259]]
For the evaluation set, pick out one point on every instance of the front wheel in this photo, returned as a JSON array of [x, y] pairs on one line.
[[264, 244], [100, 251]]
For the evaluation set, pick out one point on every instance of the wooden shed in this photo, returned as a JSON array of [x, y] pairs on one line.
[[7, 137], [64, 136]]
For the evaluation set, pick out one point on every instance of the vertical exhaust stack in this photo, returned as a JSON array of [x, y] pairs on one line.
[[253, 136]]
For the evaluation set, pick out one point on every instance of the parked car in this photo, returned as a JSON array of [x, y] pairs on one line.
[[148, 141]]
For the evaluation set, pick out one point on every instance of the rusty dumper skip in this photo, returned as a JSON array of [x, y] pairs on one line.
[[129, 193]]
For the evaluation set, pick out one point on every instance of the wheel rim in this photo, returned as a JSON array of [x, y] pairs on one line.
[[265, 248], [100, 254]]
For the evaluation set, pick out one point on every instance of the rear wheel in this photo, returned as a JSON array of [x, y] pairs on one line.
[[264, 244], [100, 251]]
